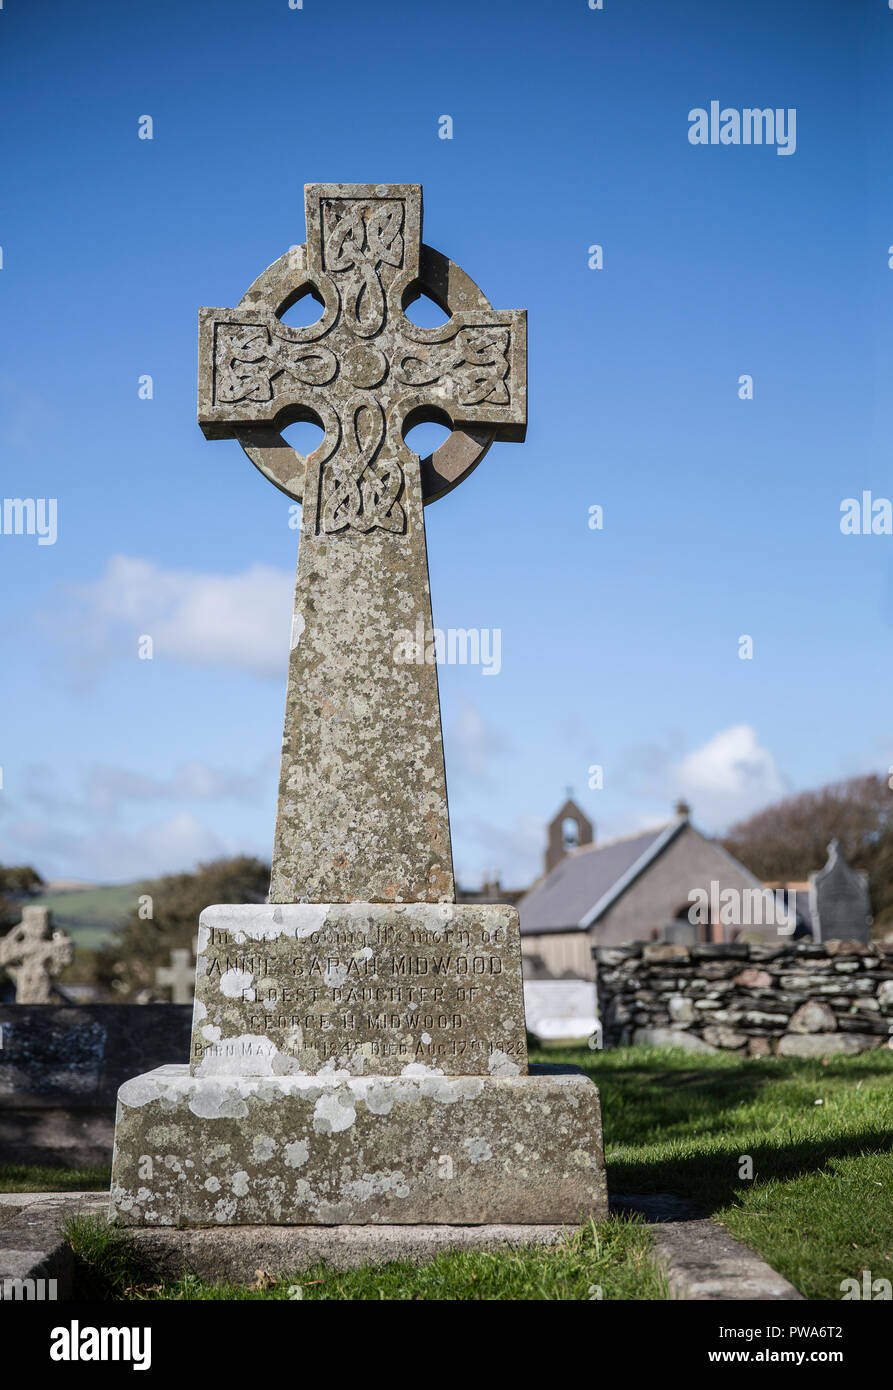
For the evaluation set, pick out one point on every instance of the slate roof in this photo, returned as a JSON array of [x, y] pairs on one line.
[[588, 879]]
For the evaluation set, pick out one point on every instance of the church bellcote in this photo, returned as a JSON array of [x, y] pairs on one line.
[[568, 830]]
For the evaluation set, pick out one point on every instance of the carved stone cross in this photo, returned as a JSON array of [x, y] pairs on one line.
[[32, 954], [179, 976], [362, 814]]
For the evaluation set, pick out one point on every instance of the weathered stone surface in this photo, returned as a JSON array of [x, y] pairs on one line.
[[885, 995], [362, 800], [753, 979], [707, 950], [824, 1044], [813, 1017], [711, 987], [667, 954], [670, 1037], [759, 1047], [682, 1010], [421, 1148], [720, 1036], [32, 1246], [715, 969], [300, 987], [798, 982], [757, 1018], [727, 1016], [237, 1252], [863, 1024], [612, 955], [744, 993], [702, 1261], [33, 954]]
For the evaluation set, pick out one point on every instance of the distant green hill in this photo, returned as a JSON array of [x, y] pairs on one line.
[[91, 915]]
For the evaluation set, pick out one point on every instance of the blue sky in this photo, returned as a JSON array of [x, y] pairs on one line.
[[721, 516]]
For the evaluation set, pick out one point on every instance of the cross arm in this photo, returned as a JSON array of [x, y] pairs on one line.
[[254, 370], [473, 368]]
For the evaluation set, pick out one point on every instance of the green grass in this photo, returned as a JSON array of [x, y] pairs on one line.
[[819, 1207], [611, 1258], [104, 1258], [92, 915], [16, 1177]]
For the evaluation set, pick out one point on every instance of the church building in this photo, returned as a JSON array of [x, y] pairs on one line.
[[642, 887]]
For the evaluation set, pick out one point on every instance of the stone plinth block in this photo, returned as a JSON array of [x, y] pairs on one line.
[[298, 988], [342, 1149]]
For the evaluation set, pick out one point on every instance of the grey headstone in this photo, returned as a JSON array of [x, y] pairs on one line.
[[33, 954], [840, 903]]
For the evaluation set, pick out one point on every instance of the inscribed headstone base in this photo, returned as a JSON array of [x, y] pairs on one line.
[[288, 988]]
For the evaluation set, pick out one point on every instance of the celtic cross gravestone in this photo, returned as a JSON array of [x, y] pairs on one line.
[[359, 1048], [32, 954], [362, 804]]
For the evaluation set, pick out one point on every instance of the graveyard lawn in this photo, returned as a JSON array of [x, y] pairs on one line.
[[818, 1207], [819, 1133], [17, 1177]]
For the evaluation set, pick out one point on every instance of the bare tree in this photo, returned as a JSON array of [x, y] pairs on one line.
[[790, 839]]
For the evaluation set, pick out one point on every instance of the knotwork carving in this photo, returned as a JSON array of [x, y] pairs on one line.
[[357, 241], [362, 362], [358, 489], [473, 365], [249, 359]]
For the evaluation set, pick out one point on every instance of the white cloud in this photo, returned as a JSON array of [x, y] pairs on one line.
[[730, 776], [108, 786], [240, 620], [105, 854], [79, 833]]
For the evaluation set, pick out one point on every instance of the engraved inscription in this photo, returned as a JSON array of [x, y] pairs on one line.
[[365, 995]]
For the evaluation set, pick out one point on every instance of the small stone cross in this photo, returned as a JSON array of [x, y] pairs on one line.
[[32, 954], [179, 976], [362, 810]]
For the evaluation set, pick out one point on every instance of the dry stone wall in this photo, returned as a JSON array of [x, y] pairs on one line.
[[792, 999]]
